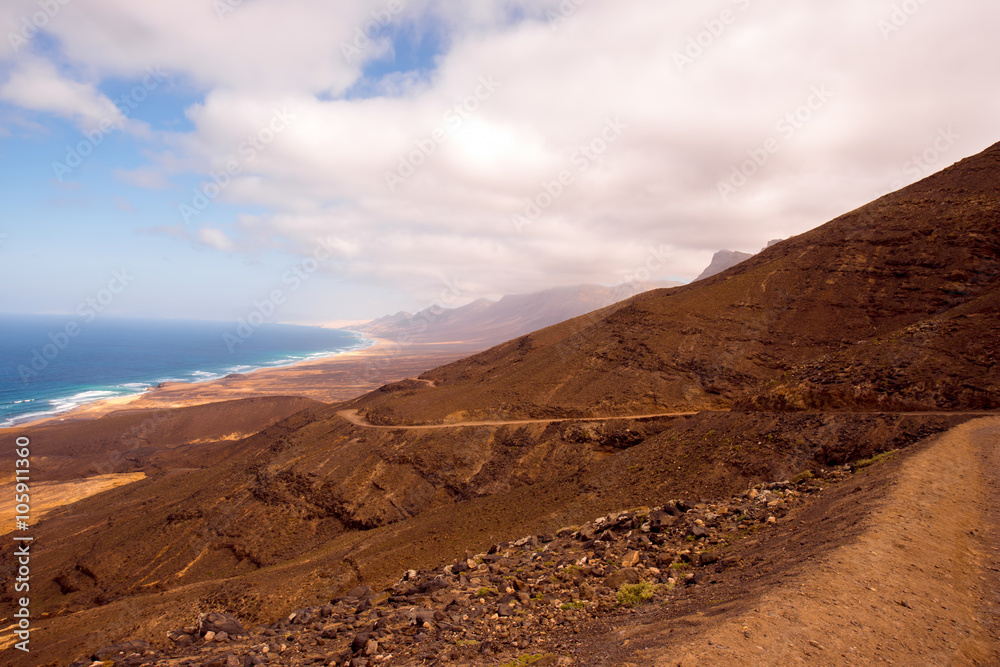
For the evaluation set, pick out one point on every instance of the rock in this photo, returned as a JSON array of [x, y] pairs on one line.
[[300, 616], [659, 521], [631, 559], [210, 636], [371, 647], [221, 636], [419, 617], [505, 610], [215, 621], [117, 651], [624, 576], [360, 593], [460, 567], [707, 558], [360, 642]]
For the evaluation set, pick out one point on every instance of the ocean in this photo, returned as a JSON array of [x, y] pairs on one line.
[[50, 364]]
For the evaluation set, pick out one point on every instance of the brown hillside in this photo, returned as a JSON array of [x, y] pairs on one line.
[[891, 295], [910, 257]]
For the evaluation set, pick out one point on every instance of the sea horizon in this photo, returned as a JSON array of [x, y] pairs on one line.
[[53, 364]]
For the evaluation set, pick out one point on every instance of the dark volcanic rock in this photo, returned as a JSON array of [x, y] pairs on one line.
[[215, 621]]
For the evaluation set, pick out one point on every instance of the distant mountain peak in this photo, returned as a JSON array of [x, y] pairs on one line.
[[722, 260]]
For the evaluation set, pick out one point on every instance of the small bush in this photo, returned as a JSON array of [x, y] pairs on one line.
[[878, 458], [802, 476], [630, 595]]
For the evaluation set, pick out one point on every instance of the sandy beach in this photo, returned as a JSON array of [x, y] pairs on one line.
[[330, 379]]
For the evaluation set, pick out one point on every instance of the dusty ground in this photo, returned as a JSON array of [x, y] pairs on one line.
[[47, 496], [914, 582]]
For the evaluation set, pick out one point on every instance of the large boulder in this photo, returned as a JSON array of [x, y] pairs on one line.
[[219, 621]]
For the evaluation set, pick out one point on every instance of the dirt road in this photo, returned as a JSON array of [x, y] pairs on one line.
[[919, 585], [356, 419]]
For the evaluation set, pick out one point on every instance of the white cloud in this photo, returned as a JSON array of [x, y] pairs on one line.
[[36, 84], [215, 238], [684, 129]]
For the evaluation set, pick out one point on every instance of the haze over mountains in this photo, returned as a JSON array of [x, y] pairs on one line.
[[914, 270], [828, 347], [487, 322]]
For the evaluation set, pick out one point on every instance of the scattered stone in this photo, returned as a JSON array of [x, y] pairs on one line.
[[526, 597], [631, 559], [119, 651], [626, 575], [215, 621]]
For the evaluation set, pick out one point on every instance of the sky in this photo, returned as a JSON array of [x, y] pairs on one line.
[[320, 161]]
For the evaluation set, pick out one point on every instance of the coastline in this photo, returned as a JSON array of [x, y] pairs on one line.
[[330, 379]]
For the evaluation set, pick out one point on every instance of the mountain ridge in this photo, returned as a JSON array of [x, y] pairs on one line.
[[488, 322], [313, 505], [863, 275]]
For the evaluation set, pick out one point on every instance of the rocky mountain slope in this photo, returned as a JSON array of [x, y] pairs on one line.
[[797, 359], [917, 266]]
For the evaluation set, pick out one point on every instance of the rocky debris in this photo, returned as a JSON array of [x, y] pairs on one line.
[[522, 600], [220, 623]]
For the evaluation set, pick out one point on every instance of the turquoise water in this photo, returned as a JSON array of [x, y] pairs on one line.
[[51, 364]]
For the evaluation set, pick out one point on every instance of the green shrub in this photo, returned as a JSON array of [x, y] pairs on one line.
[[630, 595], [878, 458]]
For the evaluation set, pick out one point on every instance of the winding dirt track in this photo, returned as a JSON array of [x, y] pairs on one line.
[[356, 419], [919, 586], [353, 417]]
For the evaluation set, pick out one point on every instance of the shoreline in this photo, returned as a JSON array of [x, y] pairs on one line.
[[329, 379]]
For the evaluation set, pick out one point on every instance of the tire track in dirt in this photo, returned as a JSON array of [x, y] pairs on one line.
[[917, 586]]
